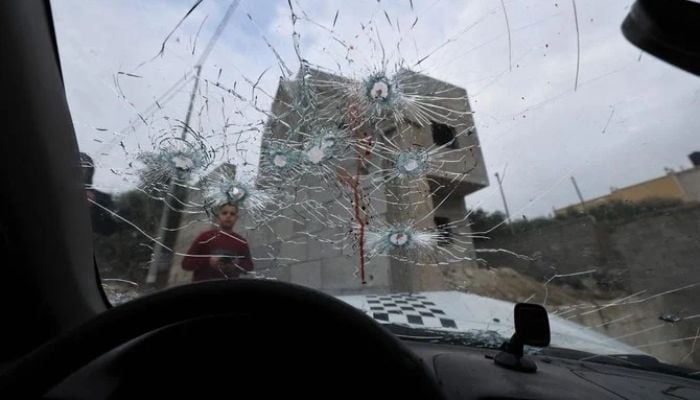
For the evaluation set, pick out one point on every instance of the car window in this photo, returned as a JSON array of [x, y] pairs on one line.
[[430, 162]]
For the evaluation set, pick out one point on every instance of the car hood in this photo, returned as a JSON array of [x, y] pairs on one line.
[[463, 312]]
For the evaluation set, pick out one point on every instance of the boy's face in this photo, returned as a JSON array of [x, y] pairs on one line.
[[228, 215]]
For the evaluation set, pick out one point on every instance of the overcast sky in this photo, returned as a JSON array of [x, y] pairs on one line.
[[630, 116]]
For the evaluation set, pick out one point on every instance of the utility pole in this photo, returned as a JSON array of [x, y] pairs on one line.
[[159, 270], [505, 203], [578, 193], [176, 198]]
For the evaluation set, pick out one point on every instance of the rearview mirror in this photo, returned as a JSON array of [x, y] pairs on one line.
[[532, 324], [666, 29], [532, 329]]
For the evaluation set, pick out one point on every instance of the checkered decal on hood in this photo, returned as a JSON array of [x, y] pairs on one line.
[[408, 309]]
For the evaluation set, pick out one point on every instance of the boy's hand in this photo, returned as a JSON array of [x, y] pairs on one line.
[[214, 261], [229, 270]]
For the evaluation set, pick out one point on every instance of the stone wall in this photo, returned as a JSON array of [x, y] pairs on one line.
[[653, 252], [559, 249], [662, 253], [651, 265]]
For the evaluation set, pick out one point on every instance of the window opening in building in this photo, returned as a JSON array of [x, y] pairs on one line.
[[444, 230], [444, 134]]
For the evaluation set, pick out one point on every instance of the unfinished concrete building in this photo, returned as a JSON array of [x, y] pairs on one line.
[[307, 243]]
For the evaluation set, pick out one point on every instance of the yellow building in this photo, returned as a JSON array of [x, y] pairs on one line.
[[682, 185]]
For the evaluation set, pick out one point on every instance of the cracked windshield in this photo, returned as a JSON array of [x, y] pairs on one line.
[[431, 163]]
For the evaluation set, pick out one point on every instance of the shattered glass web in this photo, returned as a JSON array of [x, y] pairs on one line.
[[375, 99], [335, 154]]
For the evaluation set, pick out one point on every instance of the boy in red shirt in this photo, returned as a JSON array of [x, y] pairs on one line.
[[219, 253]]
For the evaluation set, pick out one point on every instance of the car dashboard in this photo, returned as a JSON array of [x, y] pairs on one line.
[[461, 373], [472, 374]]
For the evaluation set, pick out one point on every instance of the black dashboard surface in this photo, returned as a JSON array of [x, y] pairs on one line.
[[472, 374], [462, 373]]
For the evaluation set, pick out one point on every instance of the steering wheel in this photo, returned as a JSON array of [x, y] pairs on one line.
[[230, 337]]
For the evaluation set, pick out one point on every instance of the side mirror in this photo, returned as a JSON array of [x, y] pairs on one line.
[[532, 329]]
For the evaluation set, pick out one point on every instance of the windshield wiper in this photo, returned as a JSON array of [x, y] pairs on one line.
[[471, 338]]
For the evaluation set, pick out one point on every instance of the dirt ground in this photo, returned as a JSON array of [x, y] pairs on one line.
[[507, 284]]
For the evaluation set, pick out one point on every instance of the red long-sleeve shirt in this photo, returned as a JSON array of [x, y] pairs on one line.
[[215, 243]]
